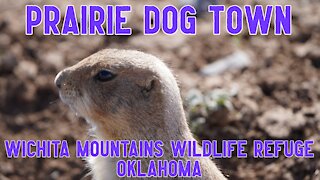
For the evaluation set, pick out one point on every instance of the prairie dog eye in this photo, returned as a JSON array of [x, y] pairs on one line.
[[105, 75]]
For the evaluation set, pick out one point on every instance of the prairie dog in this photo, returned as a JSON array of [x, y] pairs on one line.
[[126, 94]]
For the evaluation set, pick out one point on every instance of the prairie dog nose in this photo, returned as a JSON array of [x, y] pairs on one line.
[[59, 79]]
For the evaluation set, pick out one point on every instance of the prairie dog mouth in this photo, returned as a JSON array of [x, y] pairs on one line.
[[69, 94]]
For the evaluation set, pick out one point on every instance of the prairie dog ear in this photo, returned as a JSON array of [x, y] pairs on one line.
[[147, 85]]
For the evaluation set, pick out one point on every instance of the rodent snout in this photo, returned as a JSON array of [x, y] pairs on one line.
[[59, 79]]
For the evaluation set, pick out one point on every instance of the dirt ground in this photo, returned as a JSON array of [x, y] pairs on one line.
[[275, 97]]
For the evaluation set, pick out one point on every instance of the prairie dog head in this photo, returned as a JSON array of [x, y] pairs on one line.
[[124, 93]]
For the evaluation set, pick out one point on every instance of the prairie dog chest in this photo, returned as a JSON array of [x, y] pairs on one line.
[[102, 168]]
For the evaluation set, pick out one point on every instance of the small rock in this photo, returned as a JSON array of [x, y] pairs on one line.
[[278, 122], [7, 167], [5, 40], [237, 60], [54, 58], [315, 57], [7, 63], [26, 69]]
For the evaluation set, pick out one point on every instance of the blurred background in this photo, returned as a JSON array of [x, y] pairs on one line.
[[234, 87]]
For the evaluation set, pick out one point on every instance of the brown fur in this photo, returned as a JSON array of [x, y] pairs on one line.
[[142, 102]]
